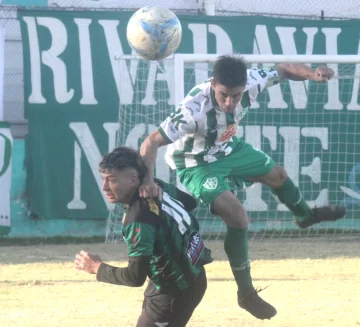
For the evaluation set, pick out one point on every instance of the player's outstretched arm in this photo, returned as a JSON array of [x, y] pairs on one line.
[[148, 151], [301, 72], [134, 275]]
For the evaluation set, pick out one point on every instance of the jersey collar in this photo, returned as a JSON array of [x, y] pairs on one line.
[[212, 95]]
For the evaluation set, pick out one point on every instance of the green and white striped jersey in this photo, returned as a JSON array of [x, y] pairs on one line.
[[199, 131]]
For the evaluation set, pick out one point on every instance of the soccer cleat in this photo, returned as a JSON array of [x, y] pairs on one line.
[[255, 305], [327, 213]]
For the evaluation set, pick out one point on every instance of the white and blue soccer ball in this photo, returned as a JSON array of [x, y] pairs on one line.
[[154, 32]]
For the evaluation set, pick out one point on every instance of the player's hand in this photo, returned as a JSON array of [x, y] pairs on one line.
[[150, 190], [323, 74], [90, 263]]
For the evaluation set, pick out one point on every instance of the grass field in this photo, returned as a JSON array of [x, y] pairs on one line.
[[312, 282]]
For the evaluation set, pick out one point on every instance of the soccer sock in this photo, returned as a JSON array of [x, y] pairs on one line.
[[290, 195], [236, 248]]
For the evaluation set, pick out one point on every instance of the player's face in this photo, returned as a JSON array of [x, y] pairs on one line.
[[119, 186], [227, 98]]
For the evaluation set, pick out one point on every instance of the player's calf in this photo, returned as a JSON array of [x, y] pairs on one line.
[[326, 213], [255, 305]]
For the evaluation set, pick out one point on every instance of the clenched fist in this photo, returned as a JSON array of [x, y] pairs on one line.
[[323, 74]]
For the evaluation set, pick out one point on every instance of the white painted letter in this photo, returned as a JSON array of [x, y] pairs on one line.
[[35, 64], [51, 58], [333, 85], [87, 81], [124, 81]]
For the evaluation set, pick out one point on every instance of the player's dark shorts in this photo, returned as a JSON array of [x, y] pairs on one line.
[[171, 309]]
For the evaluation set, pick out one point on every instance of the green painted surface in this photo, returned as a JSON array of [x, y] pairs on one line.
[[73, 89], [24, 225]]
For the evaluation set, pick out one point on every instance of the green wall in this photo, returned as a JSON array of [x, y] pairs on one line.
[[74, 84], [24, 225]]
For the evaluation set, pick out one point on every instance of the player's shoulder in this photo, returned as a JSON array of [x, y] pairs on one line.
[[170, 190], [259, 78], [257, 74], [253, 77], [143, 211], [198, 92], [198, 100]]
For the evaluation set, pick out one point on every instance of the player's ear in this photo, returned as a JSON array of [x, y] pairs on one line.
[[135, 179], [212, 82]]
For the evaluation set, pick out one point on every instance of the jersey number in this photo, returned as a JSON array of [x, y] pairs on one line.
[[262, 73], [176, 210], [176, 118]]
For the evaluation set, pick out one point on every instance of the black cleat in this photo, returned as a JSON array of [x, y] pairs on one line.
[[255, 305], [327, 213]]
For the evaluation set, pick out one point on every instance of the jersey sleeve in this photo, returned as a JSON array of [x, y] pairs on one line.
[[140, 238], [179, 123], [260, 78], [133, 275]]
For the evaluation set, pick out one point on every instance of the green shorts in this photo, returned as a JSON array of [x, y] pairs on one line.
[[208, 181]]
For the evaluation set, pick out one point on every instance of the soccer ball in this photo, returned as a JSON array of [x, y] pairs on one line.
[[154, 32]]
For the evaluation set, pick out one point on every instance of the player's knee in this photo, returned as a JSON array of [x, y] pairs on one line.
[[233, 214], [281, 176]]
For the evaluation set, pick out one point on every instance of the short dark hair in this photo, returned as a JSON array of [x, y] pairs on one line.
[[230, 71], [121, 158]]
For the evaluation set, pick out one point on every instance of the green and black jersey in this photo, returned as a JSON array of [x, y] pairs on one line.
[[163, 242]]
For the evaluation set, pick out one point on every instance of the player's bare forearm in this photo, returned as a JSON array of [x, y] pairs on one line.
[[148, 152], [301, 72], [295, 72]]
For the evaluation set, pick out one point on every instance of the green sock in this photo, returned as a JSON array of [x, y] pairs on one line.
[[236, 248], [290, 195]]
